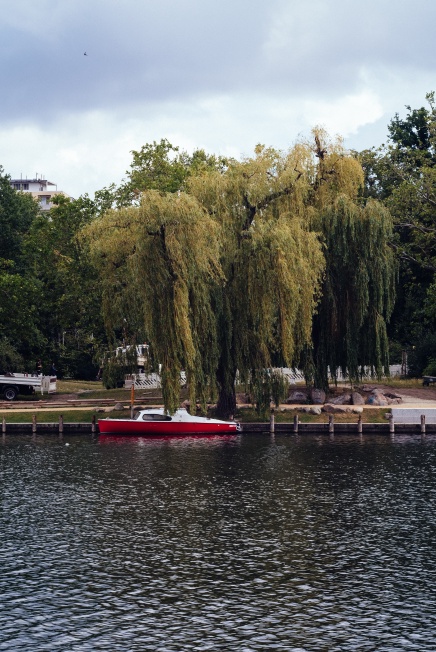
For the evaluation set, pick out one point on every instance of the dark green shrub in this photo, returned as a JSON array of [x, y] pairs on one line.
[[268, 385], [114, 372], [421, 354], [10, 359]]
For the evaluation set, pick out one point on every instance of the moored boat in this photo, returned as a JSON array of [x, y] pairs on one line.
[[155, 421]]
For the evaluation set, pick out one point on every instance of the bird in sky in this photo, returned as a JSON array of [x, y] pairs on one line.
[[85, 54]]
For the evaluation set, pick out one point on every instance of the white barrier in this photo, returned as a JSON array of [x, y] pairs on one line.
[[413, 415], [149, 381], [153, 381]]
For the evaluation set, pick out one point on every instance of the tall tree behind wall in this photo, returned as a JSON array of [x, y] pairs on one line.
[[20, 326], [403, 175], [70, 306]]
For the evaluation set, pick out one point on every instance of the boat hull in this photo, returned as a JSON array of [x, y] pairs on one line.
[[138, 428]]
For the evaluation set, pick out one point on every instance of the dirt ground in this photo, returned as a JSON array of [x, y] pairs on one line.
[[415, 395], [60, 398]]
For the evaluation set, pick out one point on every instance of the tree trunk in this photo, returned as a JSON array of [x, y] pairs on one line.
[[226, 406], [226, 377]]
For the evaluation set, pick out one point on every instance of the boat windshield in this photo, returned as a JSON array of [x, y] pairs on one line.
[[156, 417]]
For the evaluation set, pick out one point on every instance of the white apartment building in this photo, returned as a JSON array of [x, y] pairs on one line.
[[41, 189]]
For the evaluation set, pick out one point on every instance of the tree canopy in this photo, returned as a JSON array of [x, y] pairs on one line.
[[403, 175], [225, 266], [227, 269]]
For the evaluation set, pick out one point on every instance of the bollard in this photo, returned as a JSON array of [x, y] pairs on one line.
[[331, 424], [33, 423], [359, 425], [422, 424], [61, 424], [93, 425], [296, 424], [271, 422], [4, 425], [391, 424]]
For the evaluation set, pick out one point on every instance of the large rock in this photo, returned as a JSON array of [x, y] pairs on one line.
[[368, 388], [310, 409], [342, 399], [342, 409], [357, 399], [394, 397], [297, 397], [317, 396], [243, 399], [378, 400]]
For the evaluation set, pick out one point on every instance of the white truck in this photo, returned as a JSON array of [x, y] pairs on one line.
[[13, 384]]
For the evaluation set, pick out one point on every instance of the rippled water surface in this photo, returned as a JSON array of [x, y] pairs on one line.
[[237, 543]]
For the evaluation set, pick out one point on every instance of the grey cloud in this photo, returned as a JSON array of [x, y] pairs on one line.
[[136, 52], [141, 53]]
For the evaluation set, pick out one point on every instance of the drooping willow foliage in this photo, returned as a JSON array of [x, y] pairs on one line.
[[358, 292], [226, 274], [163, 257], [271, 259]]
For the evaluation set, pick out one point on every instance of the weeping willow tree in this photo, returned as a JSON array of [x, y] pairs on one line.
[[271, 259], [358, 291], [227, 273], [161, 260]]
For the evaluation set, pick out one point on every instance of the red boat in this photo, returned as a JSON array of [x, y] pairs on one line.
[[156, 421]]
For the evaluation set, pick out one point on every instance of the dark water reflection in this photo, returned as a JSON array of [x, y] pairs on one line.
[[242, 543]]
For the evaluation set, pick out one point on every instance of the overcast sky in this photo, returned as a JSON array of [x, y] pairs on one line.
[[222, 76]]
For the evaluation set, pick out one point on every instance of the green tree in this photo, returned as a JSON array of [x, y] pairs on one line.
[[17, 212], [19, 317], [19, 291], [69, 309], [358, 292], [161, 261], [159, 166], [403, 174], [227, 273]]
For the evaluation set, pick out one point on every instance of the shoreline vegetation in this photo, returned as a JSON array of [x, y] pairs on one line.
[[92, 391], [311, 256]]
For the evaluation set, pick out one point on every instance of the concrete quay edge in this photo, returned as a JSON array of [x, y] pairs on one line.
[[247, 428]]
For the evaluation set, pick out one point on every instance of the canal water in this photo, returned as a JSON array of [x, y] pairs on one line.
[[243, 543]]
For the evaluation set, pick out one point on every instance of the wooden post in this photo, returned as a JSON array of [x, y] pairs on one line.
[[33, 423], [391, 424], [359, 424], [296, 424], [331, 424], [271, 422], [422, 424], [93, 424], [132, 398], [61, 424], [4, 425]]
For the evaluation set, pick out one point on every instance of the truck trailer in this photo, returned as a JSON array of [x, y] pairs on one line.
[[13, 384]]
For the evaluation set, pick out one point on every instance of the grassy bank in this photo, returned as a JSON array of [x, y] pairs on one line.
[[94, 390]]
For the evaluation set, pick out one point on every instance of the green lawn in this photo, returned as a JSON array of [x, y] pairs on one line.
[[94, 389], [70, 416]]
